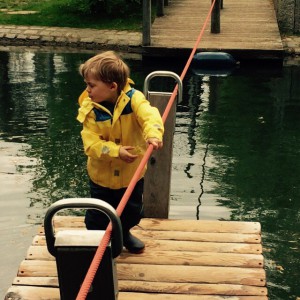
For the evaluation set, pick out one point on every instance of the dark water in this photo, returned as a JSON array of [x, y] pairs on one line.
[[236, 146]]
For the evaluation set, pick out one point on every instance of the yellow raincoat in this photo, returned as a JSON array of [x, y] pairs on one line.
[[133, 121]]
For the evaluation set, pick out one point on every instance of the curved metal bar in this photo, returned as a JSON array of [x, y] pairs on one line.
[[163, 74], [89, 203]]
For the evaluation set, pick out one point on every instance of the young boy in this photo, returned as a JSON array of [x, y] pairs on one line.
[[118, 123]]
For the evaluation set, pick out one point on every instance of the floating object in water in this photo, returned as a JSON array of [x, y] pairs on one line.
[[213, 63], [213, 60]]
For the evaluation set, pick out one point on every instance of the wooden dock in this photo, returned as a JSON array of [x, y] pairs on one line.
[[183, 260], [249, 29]]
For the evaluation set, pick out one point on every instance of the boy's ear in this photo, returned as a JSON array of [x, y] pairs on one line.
[[114, 86]]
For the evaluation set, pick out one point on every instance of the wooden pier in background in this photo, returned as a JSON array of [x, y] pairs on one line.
[[248, 29], [183, 260]]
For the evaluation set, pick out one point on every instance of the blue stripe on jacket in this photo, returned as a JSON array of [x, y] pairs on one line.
[[102, 116]]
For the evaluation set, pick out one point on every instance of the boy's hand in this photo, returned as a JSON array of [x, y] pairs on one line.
[[125, 155], [157, 144]]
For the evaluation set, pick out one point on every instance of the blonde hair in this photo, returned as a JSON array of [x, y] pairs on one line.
[[107, 67]]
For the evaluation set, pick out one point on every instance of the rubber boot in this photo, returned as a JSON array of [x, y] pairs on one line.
[[132, 243]]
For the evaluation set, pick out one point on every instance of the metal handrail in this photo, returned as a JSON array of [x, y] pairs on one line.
[[163, 74], [117, 235]]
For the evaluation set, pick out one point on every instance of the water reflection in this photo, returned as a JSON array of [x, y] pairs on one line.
[[38, 105], [245, 146], [252, 131], [236, 146]]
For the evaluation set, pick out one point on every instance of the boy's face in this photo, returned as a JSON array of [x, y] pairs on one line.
[[100, 91]]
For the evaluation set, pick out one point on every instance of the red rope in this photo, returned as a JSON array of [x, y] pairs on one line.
[[106, 239]]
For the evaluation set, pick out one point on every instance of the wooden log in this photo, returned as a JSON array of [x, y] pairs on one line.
[[171, 258], [68, 221], [160, 287], [39, 240], [141, 296], [192, 274], [189, 258], [205, 247], [157, 273], [43, 293], [200, 226], [199, 236], [189, 246], [191, 288], [174, 225], [37, 268], [205, 231], [38, 253], [36, 281], [191, 236], [32, 293]]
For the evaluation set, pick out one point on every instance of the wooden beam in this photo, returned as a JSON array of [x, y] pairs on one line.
[[158, 176], [160, 8], [215, 17], [146, 23]]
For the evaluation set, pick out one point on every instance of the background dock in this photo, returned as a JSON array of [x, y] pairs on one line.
[[249, 29], [183, 260]]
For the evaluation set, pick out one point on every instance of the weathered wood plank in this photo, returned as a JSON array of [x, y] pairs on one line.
[[199, 236], [206, 226], [160, 287], [188, 258], [32, 293], [177, 273], [204, 246], [37, 281], [189, 246], [39, 240], [189, 236], [201, 226], [68, 221], [190, 288], [171, 258], [192, 274], [164, 273], [192, 236], [37, 268], [38, 253], [43, 293], [141, 296]]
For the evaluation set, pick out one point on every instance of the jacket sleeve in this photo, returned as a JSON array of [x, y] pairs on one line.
[[94, 146], [148, 117]]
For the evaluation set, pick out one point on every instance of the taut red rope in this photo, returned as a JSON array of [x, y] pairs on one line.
[[106, 239]]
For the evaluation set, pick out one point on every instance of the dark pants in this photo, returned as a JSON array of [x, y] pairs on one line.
[[132, 214]]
